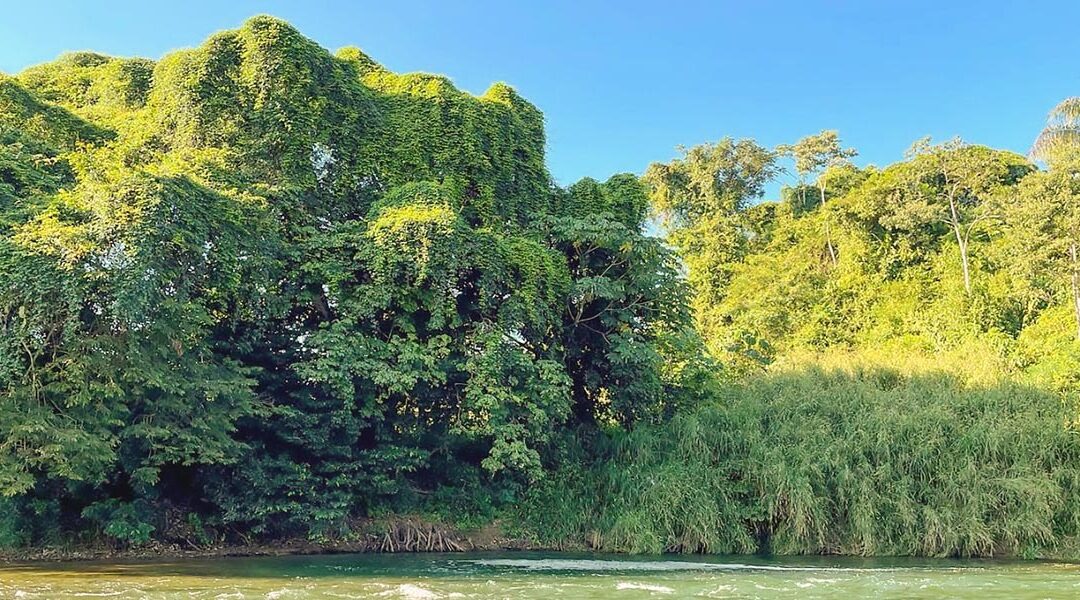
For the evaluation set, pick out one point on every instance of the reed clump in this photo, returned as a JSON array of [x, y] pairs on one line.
[[838, 459]]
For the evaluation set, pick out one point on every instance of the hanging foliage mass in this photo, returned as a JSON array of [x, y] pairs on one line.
[[280, 288]]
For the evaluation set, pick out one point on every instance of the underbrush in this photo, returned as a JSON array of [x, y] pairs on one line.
[[855, 460]]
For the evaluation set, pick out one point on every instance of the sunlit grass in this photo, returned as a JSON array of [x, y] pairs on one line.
[[842, 457]]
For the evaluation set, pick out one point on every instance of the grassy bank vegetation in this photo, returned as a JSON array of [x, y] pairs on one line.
[[859, 460]]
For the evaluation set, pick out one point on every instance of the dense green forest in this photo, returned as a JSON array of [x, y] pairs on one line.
[[256, 290]]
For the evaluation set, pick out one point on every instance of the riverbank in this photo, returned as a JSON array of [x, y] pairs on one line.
[[404, 536], [399, 535]]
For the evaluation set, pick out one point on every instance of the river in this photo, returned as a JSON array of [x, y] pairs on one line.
[[538, 575]]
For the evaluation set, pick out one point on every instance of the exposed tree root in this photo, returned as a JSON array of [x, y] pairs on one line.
[[414, 536]]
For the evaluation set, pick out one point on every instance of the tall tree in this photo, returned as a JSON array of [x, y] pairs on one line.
[[701, 198], [626, 297], [959, 179], [819, 154]]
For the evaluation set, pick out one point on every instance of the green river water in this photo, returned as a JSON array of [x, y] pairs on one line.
[[538, 575]]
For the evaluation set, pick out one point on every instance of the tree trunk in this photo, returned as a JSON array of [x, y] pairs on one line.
[[964, 262], [828, 234], [961, 240], [1074, 254]]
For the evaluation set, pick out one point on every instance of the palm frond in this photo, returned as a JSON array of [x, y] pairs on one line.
[[1050, 141], [1062, 130], [1067, 112]]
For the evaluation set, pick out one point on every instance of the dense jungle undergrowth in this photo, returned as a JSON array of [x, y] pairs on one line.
[[255, 291]]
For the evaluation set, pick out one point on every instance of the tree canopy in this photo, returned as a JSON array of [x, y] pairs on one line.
[[284, 288]]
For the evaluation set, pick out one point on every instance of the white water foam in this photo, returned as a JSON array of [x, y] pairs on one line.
[[662, 589], [410, 592], [557, 564]]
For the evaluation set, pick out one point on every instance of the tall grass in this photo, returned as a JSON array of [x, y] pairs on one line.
[[855, 460]]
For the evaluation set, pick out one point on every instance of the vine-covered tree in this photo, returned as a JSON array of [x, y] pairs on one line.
[[282, 289]]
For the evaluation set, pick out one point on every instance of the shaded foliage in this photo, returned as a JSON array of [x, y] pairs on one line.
[[280, 289]]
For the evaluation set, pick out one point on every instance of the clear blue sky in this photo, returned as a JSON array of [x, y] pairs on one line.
[[623, 82]]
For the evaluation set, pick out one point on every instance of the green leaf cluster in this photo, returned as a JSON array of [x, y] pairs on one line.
[[280, 289]]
